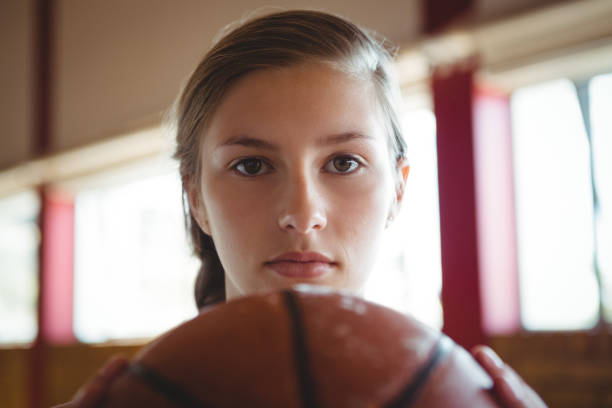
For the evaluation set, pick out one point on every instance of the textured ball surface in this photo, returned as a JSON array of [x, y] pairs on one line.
[[302, 348]]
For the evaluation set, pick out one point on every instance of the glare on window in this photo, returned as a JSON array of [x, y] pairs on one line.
[[600, 90], [408, 275], [19, 240], [134, 274], [558, 288]]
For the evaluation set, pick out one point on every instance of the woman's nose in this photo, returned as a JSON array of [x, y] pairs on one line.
[[303, 208]]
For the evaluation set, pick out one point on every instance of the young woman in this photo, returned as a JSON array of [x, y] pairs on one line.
[[293, 164]]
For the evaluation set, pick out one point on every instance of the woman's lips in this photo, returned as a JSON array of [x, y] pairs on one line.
[[301, 265], [300, 269]]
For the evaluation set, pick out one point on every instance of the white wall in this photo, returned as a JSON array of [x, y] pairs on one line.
[[120, 63]]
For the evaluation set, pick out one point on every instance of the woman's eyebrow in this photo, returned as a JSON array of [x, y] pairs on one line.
[[249, 141], [344, 137]]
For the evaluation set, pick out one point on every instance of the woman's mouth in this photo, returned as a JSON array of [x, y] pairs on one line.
[[303, 265]]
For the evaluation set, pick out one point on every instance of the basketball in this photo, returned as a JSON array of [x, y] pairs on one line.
[[304, 347]]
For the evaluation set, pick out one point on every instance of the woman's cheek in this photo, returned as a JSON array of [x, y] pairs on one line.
[[226, 205], [368, 197], [240, 210], [362, 218]]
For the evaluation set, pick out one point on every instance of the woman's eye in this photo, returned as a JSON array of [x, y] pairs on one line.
[[251, 167], [343, 164]]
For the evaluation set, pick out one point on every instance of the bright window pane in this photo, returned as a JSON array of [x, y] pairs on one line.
[[600, 89], [554, 209], [134, 275], [19, 240], [408, 276]]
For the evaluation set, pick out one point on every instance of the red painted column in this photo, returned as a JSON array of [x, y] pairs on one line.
[[56, 291], [496, 213], [477, 217], [42, 17], [438, 14], [453, 101], [42, 75], [55, 297], [36, 355]]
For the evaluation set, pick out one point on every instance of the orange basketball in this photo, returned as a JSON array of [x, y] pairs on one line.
[[306, 347]]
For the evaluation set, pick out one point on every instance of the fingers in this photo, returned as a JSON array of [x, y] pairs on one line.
[[509, 386], [510, 391], [92, 392]]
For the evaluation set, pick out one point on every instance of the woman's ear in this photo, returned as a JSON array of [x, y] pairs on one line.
[[402, 171], [196, 207]]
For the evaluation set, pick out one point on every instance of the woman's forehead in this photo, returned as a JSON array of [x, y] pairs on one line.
[[308, 100]]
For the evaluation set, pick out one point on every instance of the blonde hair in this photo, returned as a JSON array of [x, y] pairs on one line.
[[276, 40]]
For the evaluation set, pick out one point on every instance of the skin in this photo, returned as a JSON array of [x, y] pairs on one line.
[[322, 180], [301, 199], [509, 386]]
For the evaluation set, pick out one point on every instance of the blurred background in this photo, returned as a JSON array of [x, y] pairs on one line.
[[505, 236]]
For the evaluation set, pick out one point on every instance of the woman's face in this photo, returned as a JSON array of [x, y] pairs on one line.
[[297, 184]]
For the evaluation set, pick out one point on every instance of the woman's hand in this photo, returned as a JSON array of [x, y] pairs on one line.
[[511, 389], [89, 394]]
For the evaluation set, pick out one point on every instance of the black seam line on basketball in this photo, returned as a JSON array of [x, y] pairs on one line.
[[411, 392], [300, 352], [162, 385]]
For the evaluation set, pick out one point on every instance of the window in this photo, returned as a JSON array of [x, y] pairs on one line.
[[555, 211], [600, 90], [134, 274], [408, 276], [19, 241]]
